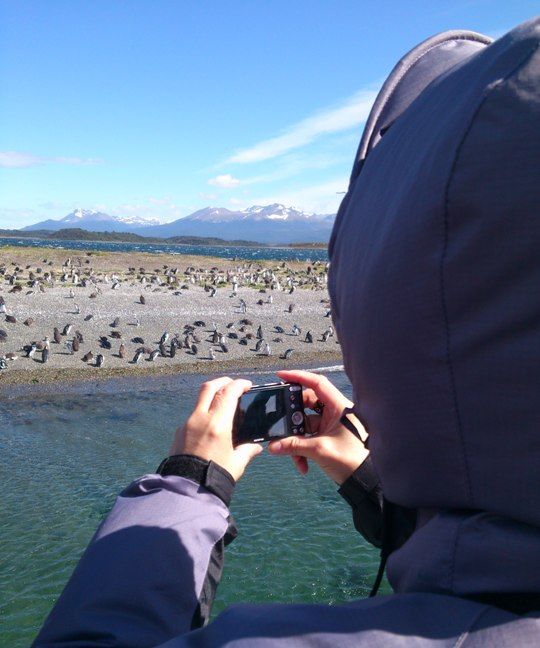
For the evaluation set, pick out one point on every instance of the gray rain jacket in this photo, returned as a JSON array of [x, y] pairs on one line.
[[435, 287]]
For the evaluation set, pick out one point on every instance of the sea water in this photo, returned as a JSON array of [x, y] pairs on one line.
[[251, 253], [65, 456]]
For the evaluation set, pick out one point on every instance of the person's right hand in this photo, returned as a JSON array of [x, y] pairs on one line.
[[333, 447], [208, 431]]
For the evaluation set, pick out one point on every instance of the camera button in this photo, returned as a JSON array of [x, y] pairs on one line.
[[295, 388], [297, 418]]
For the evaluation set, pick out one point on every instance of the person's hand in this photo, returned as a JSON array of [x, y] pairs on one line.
[[208, 431], [334, 448]]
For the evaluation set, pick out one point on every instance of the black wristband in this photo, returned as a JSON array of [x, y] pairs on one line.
[[363, 483], [206, 473]]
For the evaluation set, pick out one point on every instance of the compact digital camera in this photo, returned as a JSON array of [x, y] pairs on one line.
[[268, 412]]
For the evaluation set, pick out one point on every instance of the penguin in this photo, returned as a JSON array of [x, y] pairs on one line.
[[122, 351], [287, 354], [31, 350], [99, 360]]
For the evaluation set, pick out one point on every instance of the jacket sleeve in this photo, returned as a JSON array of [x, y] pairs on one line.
[[363, 493], [150, 572]]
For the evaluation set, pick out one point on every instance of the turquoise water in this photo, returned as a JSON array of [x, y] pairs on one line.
[[228, 252], [66, 456]]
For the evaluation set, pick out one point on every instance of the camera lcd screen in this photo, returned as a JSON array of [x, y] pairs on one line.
[[262, 415]]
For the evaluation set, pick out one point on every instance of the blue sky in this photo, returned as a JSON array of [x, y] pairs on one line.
[[160, 108]]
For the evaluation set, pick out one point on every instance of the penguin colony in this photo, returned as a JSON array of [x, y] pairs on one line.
[[252, 311]]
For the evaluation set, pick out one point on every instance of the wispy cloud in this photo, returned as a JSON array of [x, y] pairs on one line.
[[225, 181], [19, 159], [345, 116]]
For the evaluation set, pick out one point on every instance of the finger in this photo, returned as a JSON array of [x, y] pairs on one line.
[[247, 451], [295, 445], [208, 390], [313, 423], [226, 397], [323, 388], [309, 398], [301, 464]]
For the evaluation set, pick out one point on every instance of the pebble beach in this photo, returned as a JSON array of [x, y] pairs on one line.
[[106, 314]]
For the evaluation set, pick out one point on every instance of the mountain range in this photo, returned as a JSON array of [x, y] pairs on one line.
[[266, 224]]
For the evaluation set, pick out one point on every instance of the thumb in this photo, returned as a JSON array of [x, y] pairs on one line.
[[296, 445]]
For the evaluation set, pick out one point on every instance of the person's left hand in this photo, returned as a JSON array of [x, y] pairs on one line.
[[208, 431]]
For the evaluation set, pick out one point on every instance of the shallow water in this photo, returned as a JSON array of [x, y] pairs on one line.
[[226, 252], [66, 456]]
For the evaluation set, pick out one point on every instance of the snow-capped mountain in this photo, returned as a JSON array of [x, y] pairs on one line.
[[265, 223], [255, 213], [95, 221]]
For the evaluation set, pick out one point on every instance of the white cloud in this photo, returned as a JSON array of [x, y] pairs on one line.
[[350, 114], [160, 201], [13, 218], [19, 159], [225, 181]]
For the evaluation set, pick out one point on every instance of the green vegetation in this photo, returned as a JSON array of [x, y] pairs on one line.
[[78, 234]]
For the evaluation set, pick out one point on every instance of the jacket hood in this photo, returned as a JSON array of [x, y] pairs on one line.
[[435, 287]]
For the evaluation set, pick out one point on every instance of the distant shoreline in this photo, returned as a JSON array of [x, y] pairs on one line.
[[84, 236]]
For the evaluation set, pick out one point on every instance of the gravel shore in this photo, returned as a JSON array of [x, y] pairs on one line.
[[56, 288]]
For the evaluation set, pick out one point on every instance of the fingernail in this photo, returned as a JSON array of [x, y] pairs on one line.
[[277, 446]]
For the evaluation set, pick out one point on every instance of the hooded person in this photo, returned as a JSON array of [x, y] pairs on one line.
[[434, 277]]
